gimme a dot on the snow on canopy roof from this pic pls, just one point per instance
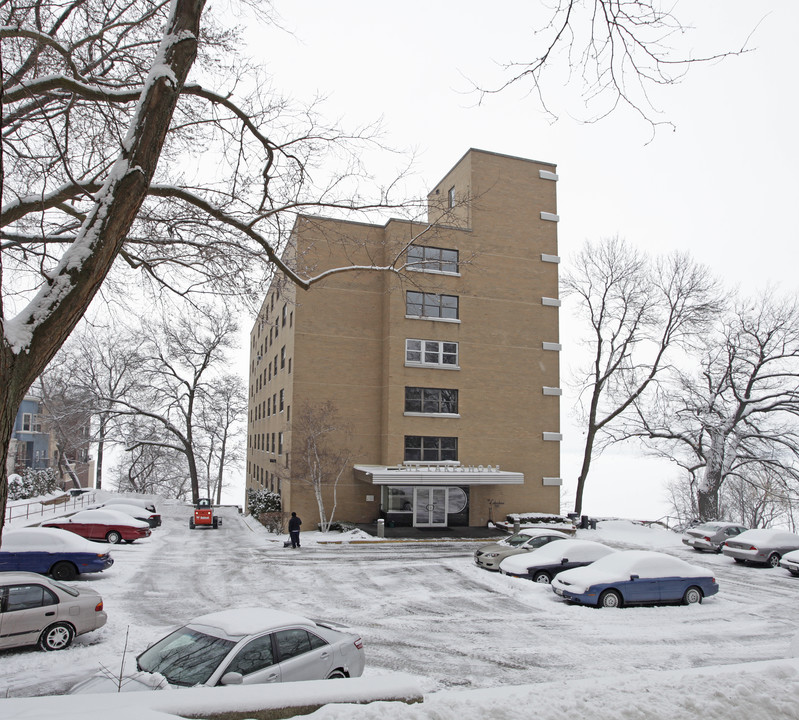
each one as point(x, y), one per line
point(45, 539)
point(620, 565)
point(554, 552)
point(106, 517)
point(766, 535)
point(249, 620)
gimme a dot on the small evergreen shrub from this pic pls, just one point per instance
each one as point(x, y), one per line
point(32, 483)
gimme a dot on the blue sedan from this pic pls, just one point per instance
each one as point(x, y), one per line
point(635, 577)
point(50, 551)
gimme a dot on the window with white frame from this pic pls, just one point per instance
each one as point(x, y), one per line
point(439, 401)
point(423, 448)
point(432, 259)
point(451, 197)
point(431, 352)
point(431, 305)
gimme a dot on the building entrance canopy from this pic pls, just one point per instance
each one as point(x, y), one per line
point(423, 474)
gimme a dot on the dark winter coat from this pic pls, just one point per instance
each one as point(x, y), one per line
point(294, 524)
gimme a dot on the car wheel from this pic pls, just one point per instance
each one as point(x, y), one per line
point(64, 571)
point(216, 523)
point(337, 675)
point(191, 523)
point(542, 577)
point(610, 599)
point(692, 595)
point(57, 637)
point(739, 561)
point(113, 537)
point(773, 560)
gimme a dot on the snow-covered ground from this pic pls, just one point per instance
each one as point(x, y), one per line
point(478, 644)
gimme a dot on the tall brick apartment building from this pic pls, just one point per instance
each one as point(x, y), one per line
point(447, 377)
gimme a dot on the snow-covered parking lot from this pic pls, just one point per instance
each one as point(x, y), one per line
point(425, 609)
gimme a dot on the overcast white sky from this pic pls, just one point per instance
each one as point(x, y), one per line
point(722, 185)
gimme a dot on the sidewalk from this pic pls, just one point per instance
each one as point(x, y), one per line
point(430, 534)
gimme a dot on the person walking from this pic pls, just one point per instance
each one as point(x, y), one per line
point(294, 530)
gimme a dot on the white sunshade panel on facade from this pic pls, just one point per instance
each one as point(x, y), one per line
point(421, 474)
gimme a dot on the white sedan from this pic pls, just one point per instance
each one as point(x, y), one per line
point(790, 561)
point(242, 647)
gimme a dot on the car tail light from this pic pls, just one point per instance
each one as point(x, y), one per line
point(99, 606)
point(706, 539)
point(752, 547)
point(358, 644)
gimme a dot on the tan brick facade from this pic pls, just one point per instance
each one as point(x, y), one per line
point(345, 341)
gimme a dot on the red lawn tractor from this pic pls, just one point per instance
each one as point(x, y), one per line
point(204, 515)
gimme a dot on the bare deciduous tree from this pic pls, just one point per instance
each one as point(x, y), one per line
point(619, 51)
point(112, 161)
point(637, 311)
point(736, 417)
point(222, 413)
point(181, 358)
point(319, 457)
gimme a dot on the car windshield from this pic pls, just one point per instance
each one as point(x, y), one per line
point(186, 657)
point(517, 540)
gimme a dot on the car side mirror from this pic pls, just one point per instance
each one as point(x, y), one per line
point(232, 678)
point(634, 577)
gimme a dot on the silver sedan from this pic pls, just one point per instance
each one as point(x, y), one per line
point(490, 556)
point(242, 647)
point(710, 537)
point(764, 547)
point(35, 610)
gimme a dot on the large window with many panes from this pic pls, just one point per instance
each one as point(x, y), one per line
point(431, 305)
point(424, 448)
point(431, 400)
point(432, 259)
point(431, 352)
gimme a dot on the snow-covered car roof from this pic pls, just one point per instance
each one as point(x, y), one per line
point(767, 536)
point(239, 622)
point(715, 525)
point(45, 539)
point(574, 550)
point(102, 516)
point(537, 532)
point(620, 565)
point(127, 508)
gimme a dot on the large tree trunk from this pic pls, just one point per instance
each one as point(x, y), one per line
point(59, 306)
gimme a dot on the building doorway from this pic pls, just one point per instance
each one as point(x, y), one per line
point(430, 506)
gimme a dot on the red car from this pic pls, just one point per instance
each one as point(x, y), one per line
point(101, 524)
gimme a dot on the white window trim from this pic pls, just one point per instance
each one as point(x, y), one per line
point(410, 268)
point(435, 415)
point(433, 319)
point(434, 366)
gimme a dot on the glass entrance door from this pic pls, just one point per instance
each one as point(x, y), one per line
point(430, 507)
